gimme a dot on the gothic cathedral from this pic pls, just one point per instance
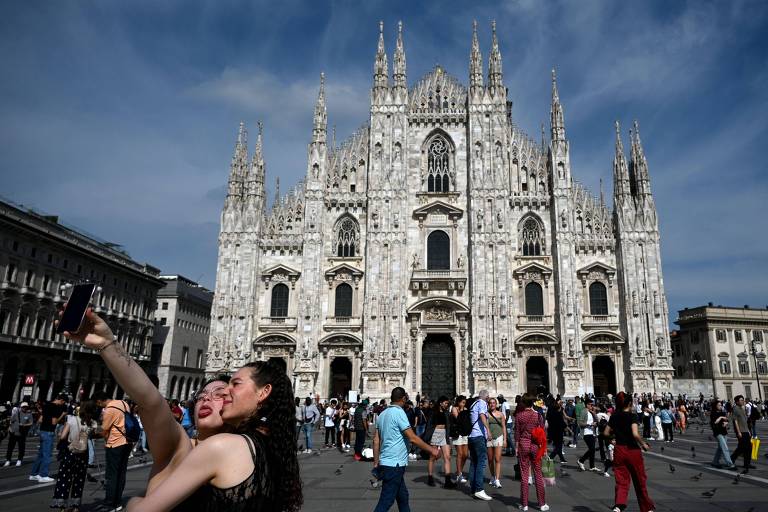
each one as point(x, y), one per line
point(442, 249)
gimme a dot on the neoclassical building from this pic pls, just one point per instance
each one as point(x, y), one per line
point(442, 249)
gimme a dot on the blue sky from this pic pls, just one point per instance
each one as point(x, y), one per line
point(121, 116)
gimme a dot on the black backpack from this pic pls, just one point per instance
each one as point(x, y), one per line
point(464, 418)
point(132, 430)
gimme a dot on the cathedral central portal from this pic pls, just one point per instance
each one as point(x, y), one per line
point(438, 366)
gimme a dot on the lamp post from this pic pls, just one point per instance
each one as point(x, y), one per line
point(755, 347)
point(696, 362)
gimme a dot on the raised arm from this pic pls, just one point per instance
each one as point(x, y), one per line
point(165, 436)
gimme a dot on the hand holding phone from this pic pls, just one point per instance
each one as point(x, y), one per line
point(74, 310)
point(78, 322)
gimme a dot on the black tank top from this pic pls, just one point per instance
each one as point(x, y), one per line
point(255, 493)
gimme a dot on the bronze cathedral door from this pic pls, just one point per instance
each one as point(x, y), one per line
point(438, 367)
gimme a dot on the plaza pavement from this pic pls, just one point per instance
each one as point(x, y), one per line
point(334, 481)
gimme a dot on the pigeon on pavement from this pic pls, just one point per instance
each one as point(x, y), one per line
point(697, 477)
point(709, 494)
point(672, 468)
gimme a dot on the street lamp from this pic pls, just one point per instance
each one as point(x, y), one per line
point(694, 362)
point(755, 348)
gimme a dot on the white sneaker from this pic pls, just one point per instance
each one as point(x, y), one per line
point(523, 508)
point(460, 479)
point(7, 463)
point(530, 480)
point(581, 465)
point(480, 495)
point(544, 508)
point(498, 484)
point(571, 445)
point(18, 463)
point(606, 475)
point(596, 470)
point(45, 479)
point(34, 477)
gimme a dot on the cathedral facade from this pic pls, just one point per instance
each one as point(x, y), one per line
point(442, 249)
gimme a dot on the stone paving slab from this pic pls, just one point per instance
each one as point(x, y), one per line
point(575, 491)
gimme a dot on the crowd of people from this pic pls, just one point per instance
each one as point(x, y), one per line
point(255, 429)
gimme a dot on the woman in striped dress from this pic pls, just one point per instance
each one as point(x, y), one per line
point(527, 452)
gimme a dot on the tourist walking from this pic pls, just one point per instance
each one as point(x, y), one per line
point(439, 439)
point(529, 453)
point(498, 442)
point(556, 424)
point(74, 465)
point(116, 447)
point(718, 422)
point(390, 452)
point(311, 416)
point(666, 414)
point(53, 413)
point(508, 409)
point(460, 423)
point(360, 424)
point(478, 439)
point(741, 429)
point(627, 458)
point(329, 423)
point(21, 423)
point(588, 426)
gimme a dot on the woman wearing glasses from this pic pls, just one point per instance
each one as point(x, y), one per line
point(230, 471)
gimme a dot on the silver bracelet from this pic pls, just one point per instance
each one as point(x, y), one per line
point(114, 340)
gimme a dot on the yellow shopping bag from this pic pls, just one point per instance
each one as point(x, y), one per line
point(755, 448)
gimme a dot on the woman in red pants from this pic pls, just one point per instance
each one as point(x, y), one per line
point(528, 452)
point(627, 457)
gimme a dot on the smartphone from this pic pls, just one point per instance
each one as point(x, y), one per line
point(74, 313)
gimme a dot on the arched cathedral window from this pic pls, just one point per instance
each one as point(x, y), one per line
point(438, 169)
point(343, 301)
point(531, 238)
point(534, 300)
point(347, 237)
point(598, 299)
point(279, 304)
point(438, 251)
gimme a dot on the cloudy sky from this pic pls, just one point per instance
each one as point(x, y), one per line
point(121, 116)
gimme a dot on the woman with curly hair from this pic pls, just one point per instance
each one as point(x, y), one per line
point(229, 471)
point(168, 442)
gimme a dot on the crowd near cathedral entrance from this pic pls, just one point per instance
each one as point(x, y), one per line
point(443, 249)
point(438, 366)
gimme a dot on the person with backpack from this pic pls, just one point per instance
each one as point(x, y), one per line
point(78, 429)
point(479, 436)
point(21, 424)
point(115, 414)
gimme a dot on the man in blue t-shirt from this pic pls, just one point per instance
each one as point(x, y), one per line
point(478, 454)
point(390, 452)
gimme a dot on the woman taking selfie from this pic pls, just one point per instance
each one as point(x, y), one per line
point(230, 472)
point(168, 442)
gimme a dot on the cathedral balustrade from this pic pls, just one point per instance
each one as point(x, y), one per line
point(9, 286)
point(535, 321)
point(342, 323)
point(600, 321)
point(278, 323)
point(455, 279)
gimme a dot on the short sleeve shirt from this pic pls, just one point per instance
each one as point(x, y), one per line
point(621, 426)
point(478, 408)
point(51, 411)
point(391, 424)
